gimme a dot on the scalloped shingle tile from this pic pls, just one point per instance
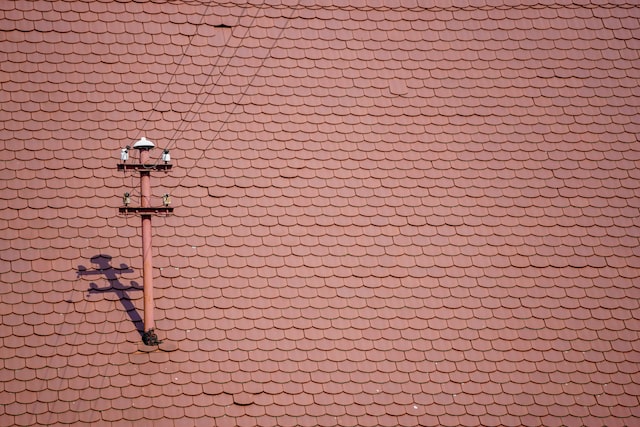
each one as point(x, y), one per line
point(384, 214)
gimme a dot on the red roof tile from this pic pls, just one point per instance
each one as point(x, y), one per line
point(384, 214)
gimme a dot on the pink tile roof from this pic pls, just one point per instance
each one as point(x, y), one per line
point(385, 214)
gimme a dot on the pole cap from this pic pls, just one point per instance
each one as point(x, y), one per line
point(143, 144)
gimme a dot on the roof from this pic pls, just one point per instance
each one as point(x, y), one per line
point(386, 213)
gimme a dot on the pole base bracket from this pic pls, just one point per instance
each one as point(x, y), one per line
point(150, 338)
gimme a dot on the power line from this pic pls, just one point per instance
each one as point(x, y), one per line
point(175, 72)
point(167, 86)
point(164, 92)
point(178, 130)
point(244, 92)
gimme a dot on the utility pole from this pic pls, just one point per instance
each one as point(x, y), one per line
point(146, 211)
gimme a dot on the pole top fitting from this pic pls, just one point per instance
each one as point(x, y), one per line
point(143, 144)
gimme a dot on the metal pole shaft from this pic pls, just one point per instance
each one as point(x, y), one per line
point(147, 273)
point(147, 264)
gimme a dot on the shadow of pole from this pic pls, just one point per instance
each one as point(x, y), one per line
point(104, 268)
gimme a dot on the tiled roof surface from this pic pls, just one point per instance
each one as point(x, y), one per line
point(386, 214)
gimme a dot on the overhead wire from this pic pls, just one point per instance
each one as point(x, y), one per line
point(175, 71)
point(243, 93)
point(185, 120)
point(134, 190)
